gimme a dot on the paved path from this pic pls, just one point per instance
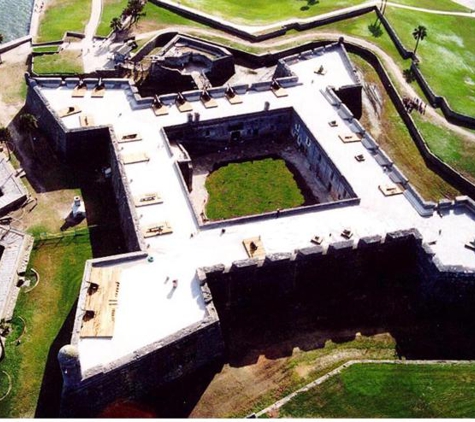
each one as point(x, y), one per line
point(88, 46)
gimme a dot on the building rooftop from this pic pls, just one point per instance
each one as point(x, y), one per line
point(149, 309)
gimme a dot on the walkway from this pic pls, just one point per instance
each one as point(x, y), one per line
point(88, 44)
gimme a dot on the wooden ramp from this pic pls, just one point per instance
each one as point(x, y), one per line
point(254, 247)
point(79, 91)
point(147, 199)
point(208, 101)
point(69, 111)
point(98, 92)
point(390, 189)
point(233, 98)
point(317, 240)
point(184, 107)
point(160, 109)
point(278, 90)
point(101, 302)
point(135, 157)
point(130, 137)
point(158, 229)
point(349, 137)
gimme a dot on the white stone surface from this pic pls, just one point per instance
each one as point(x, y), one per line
point(148, 311)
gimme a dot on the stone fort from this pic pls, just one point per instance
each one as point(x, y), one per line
point(170, 304)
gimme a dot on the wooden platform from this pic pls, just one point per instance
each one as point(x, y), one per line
point(390, 189)
point(130, 137)
point(184, 107)
point(160, 110)
point(158, 229)
point(350, 137)
point(254, 247)
point(280, 92)
point(86, 120)
point(147, 199)
point(101, 302)
point(346, 233)
point(209, 102)
point(135, 157)
point(69, 111)
point(317, 240)
point(79, 92)
point(98, 92)
point(233, 98)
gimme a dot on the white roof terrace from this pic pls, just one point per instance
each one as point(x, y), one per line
point(149, 309)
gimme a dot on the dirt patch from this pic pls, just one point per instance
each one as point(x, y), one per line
point(243, 390)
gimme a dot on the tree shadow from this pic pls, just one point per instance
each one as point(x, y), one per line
point(409, 75)
point(375, 29)
point(309, 4)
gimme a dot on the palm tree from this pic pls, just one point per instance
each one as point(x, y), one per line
point(28, 124)
point(134, 9)
point(419, 34)
point(6, 137)
point(116, 24)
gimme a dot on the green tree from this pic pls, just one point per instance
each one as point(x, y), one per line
point(116, 24)
point(134, 10)
point(6, 138)
point(27, 125)
point(419, 34)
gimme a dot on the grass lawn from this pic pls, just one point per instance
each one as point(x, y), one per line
point(390, 391)
point(446, 5)
point(446, 54)
point(394, 138)
point(252, 187)
point(454, 150)
point(13, 90)
point(61, 16)
point(46, 49)
point(110, 9)
point(60, 264)
point(258, 12)
point(68, 61)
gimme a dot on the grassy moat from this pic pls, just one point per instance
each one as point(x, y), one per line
point(251, 187)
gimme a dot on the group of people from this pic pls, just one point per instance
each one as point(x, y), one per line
point(414, 104)
point(39, 8)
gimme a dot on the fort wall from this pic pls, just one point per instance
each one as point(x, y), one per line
point(87, 393)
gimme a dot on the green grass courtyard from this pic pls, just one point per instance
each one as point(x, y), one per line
point(252, 187)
